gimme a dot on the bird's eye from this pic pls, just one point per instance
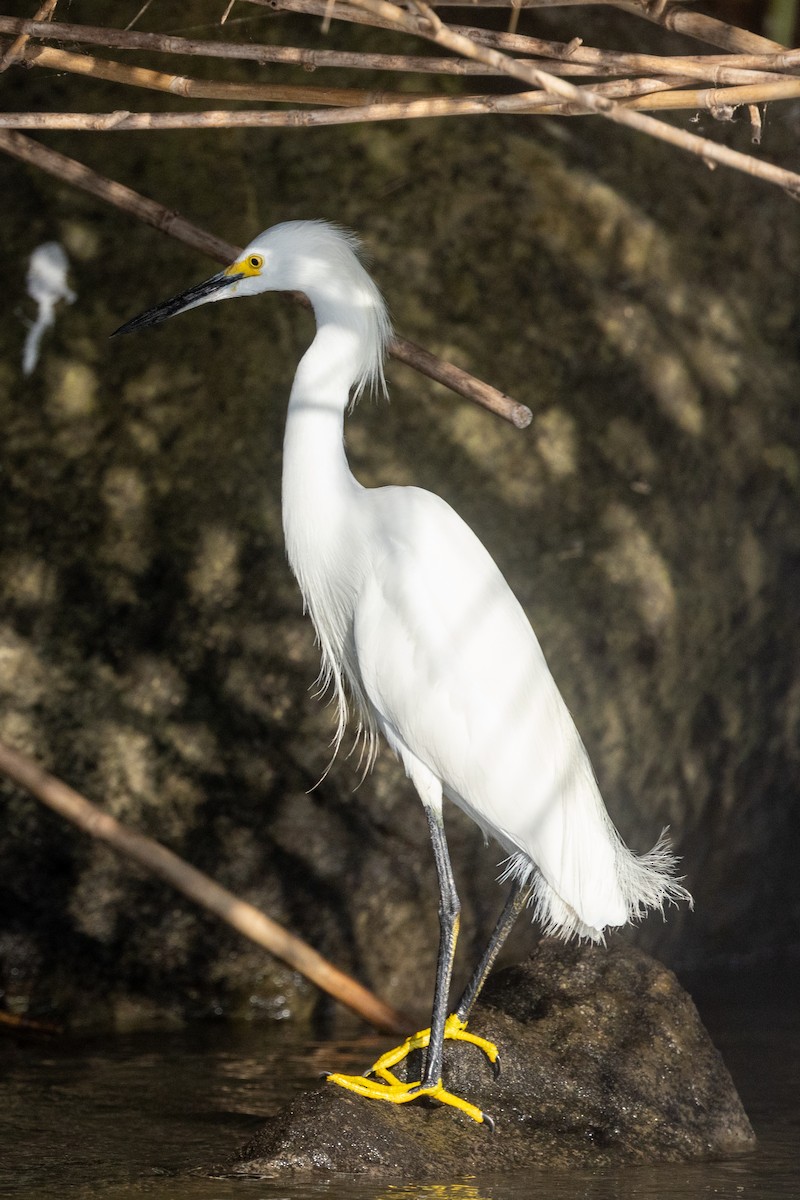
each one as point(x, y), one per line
point(255, 261)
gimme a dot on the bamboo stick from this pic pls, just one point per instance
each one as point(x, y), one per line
point(629, 95)
point(156, 43)
point(715, 99)
point(181, 85)
point(200, 888)
point(702, 28)
point(396, 110)
point(670, 15)
point(576, 58)
point(428, 25)
point(13, 52)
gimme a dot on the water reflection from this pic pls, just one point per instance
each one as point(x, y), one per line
point(433, 1191)
point(144, 1115)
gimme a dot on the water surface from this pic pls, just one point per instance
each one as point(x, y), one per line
point(127, 1116)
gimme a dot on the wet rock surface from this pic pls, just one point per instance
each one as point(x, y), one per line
point(604, 1060)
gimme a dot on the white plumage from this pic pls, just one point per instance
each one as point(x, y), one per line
point(418, 627)
point(413, 615)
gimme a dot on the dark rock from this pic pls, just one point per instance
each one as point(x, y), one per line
point(604, 1060)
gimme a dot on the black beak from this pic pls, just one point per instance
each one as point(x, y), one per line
point(196, 295)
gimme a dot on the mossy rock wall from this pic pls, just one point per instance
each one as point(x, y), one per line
point(153, 651)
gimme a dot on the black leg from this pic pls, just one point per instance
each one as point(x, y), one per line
point(449, 918)
point(517, 899)
point(380, 1082)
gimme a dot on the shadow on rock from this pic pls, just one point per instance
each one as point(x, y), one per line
point(604, 1061)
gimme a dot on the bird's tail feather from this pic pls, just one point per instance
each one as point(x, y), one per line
point(640, 883)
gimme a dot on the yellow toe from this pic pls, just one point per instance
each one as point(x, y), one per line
point(395, 1092)
point(454, 1030)
point(381, 1083)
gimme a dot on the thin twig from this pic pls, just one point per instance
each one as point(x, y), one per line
point(181, 85)
point(565, 56)
point(169, 222)
point(139, 14)
point(141, 207)
point(251, 52)
point(203, 890)
point(715, 99)
point(14, 51)
point(429, 26)
point(702, 28)
point(394, 110)
point(157, 43)
point(671, 15)
point(722, 68)
point(631, 94)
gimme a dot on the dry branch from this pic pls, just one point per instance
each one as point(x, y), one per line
point(295, 56)
point(762, 54)
point(79, 175)
point(516, 103)
point(428, 25)
point(720, 69)
point(181, 85)
point(716, 99)
point(673, 16)
point(564, 56)
point(702, 28)
point(626, 85)
point(579, 101)
point(203, 890)
point(13, 52)
point(169, 222)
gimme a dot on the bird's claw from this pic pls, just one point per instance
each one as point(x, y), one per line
point(455, 1029)
point(395, 1092)
point(381, 1083)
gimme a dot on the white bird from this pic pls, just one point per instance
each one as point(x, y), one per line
point(47, 284)
point(420, 632)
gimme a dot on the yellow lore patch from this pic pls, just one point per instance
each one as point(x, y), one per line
point(251, 264)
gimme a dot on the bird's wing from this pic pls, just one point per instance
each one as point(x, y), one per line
point(452, 666)
point(458, 681)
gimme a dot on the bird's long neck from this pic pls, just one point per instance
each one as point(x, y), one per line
point(319, 491)
point(321, 514)
point(317, 482)
point(322, 510)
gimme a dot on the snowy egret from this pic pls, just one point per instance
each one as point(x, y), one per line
point(47, 284)
point(419, 630)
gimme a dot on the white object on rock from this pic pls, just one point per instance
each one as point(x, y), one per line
point(47, 284)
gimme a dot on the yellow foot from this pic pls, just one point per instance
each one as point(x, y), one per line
point(455, 1029)
point(396, 1092)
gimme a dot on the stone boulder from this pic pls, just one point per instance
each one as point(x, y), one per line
point(604, 1060)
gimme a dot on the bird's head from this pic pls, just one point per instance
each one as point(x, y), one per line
point(313, 257)
point(249, 274)
point(303, 256)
